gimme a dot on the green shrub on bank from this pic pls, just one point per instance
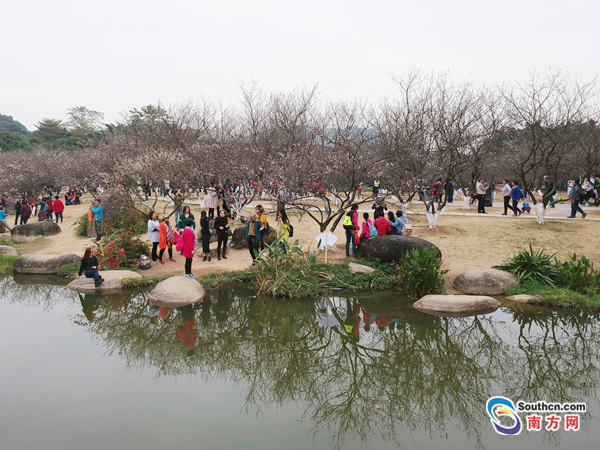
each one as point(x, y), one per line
point(7, 241)
point(135, 283)
point(532, 265)
point(558, 297)
point(132, 220)
point(82, 225)
point(6, 263)
point(420, 272)
point(219, 280)
point(68, 270)
point(578, 275)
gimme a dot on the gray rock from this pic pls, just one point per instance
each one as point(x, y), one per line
point(239, 236)
point(112, 281)
point(524, 298)
point(456, 305)
point(114, 202)
point(44, 264)
point(484, 282)
point(359, 268)
point(390, 249)
point(30, 231)
point(8, 251)
point(3, 228)
point(177, 291)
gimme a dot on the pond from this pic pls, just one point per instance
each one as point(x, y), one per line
point(355, 370)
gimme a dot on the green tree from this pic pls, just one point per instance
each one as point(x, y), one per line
point(83, 122)
point(12, 141)
point(49, 130)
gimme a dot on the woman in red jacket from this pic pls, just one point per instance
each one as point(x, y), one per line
point(383, 226)
point(59, 207)
point(186, 244)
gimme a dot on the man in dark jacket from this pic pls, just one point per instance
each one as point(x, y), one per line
point(549, 192)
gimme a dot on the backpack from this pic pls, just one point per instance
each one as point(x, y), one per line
point(348, 222)
point(372, 229)
point(145, 263)
point(291, 230)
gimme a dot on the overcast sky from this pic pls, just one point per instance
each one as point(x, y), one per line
point(113, 55)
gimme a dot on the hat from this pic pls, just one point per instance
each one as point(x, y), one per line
point(379, 196)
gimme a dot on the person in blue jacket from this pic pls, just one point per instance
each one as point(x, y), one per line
point(98, 216)
point(515, 194)
point(253, 236)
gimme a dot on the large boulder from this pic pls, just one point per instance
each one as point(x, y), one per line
point(239, 236)
point(391, 248)
point(484, 282)
point(177, 291)
point(44, 264)
point(3, 228)
point(30, 231)
point(114, 202)
point(8, 251)
point(456, 305)
point(112, 281)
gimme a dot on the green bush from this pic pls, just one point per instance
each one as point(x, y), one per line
point(6, 263)
point(578, 275)
point(420, 272)
point(68, 270)
point(532, 265)
point(132, 220)
point(82, 225)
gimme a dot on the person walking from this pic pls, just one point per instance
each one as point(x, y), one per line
point(506, 196)
point(41, 208)
point(575, 196)
point(351, 226)
point(205, 235)
point(165, 240)
point(481, 197)
point(98, 217)
point(3, 216)
point(284, 229)
point(549, 192)
point(89, 266)
point(253, 235)
point(59, 207)
point(515, 194)
point(222, 226)
point(186, 245)
point(154, 234)
point(262, 216)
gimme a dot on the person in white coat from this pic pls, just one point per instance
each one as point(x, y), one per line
point(211, 199)
point(153, 225)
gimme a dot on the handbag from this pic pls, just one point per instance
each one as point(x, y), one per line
point(229, 232)
point(357, 239)
point(353, 232)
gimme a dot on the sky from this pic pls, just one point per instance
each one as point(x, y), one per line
point(115, 55)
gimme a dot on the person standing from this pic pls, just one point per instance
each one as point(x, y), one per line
point(376, 184)
point(211, 199)
point(351, 226)
point(253, 235)
point(165, 241)
point(575, 196)
point(205, 235)
point(89, 266)
point(481, 197)
point(186, 245)
point(506, 196)
point(549, 192)
point(284, 229)
point(3, 216)
point(222, 225)
point(185, 215)
point(379, 206)
point(515, 194)
point(98, 216)
point(153, 234)
point(17, 211)
point(25, 212)
point(450, 191)
point(262, 216)
point(177, 206)
point(59, 207)
point(41, 208)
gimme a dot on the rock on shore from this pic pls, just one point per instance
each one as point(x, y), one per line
point(112, 281)
point(177, 291)
point(30, 231)
point(44, 264)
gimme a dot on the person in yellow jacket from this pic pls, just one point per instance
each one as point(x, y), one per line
point(284, 229)
point(262, 216)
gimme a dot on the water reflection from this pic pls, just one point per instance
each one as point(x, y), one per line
point(364, 367)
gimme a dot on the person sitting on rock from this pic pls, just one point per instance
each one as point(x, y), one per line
point(89, 266)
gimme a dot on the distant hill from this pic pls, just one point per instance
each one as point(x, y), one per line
point(12, 126)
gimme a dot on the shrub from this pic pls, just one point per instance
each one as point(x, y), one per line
point(120, 249)
point(578, 275)
point(6, 263)
point(132, 220)
point(420, 272)
point(82, 225)
point(68, 270)
point(532, 265)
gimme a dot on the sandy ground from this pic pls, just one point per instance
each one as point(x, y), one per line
point(467, 240)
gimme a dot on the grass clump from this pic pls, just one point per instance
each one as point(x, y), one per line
point(559, 297)
point(420, 272)
point(578, 275)
point(82, 225)
point(219, 280)
point(68, 270)
point(7, 241)
point(6, 263)
point(532, 265)
point(136, 283)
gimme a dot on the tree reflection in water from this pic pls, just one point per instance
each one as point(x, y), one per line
point(373, 373)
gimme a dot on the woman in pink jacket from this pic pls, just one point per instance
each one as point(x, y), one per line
point(186, 244)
